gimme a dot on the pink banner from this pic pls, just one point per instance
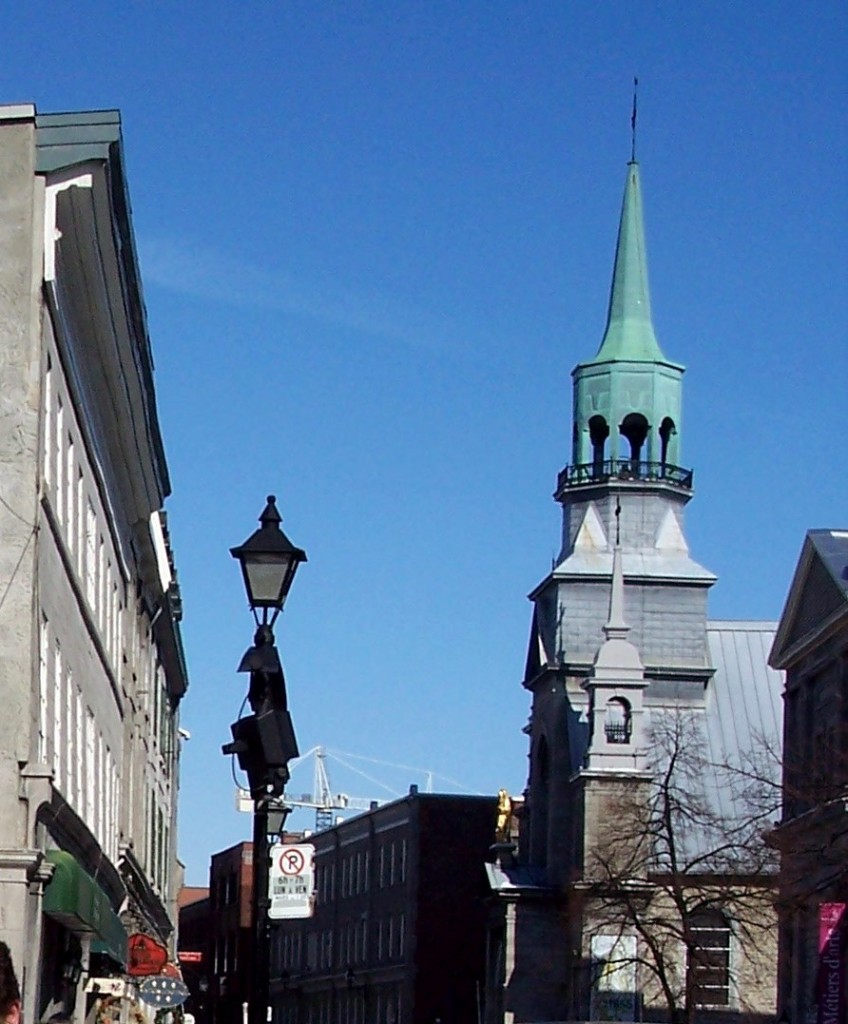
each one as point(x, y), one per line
point(831, 986)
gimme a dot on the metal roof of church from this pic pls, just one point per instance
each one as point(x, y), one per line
point(744, 704)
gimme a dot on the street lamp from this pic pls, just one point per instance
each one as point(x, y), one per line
point(269, 561)
point(264, 741)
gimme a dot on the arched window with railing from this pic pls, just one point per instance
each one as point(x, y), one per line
point(598, 434)
point(634, 430)
point(618, 721)
point(667, 432)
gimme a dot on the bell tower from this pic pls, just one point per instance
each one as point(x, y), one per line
point(623, 498)
point(627, 400)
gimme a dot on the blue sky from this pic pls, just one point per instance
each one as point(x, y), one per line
point(375, 239)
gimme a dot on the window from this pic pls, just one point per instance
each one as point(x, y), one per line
point(598, 434)
point(100, 585)
point(90, 769)
point(90, 555)
point(709, 959)
point(58, 701)
point(70, 532)
point(667, 432)
point(60, 462)
point(100, 809)
point(42, 690)
point(617, 721)
point(634, 430)
point(79, 506)
point(72, 750)
point(47, 451)
point(79, 745)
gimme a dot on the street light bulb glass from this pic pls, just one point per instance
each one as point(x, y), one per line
point(266, 576)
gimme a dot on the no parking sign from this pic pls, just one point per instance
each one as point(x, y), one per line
point(291, 881)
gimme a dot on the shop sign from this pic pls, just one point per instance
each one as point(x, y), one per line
point(831, 981)
point(146, 956)
point(117, 987)
point(162, 991)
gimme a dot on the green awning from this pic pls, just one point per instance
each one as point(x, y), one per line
point(75, 900)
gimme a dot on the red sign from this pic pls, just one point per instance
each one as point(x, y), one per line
point(146, 956)
point(292, 861)
point(190, 956)
point(831, 987)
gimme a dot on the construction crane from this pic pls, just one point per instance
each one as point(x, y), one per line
point(322, 797)
point(326, 803)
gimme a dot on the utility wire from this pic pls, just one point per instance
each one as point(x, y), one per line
point(17, 564)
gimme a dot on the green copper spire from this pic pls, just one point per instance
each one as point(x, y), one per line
point(630, 331)
point(627, 400)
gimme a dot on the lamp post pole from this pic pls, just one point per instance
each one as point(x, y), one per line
point(261, 946)
point(264, 741)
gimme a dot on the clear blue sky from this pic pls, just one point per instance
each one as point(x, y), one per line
point(375, 239)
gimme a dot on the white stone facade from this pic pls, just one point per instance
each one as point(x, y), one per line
point(91, 663)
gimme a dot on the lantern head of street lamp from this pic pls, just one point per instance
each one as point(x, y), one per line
point(268, 562)
point(277, 814)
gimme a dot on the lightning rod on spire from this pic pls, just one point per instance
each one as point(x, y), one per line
point(633, 123)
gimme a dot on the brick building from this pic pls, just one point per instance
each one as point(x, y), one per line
point(398, 932)
point(193, 954)
point(230, 939)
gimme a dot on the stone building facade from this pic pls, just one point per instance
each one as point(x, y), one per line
point(811, 646)
point(630, 683)
point(91, 662)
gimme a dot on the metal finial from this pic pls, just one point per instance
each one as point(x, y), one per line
point(633, 123)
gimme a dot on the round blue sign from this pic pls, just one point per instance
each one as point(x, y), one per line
point(161, 991)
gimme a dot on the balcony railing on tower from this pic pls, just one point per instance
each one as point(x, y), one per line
point(623, 469)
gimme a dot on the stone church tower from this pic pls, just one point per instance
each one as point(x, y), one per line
point(619, 637)
point(623, 499)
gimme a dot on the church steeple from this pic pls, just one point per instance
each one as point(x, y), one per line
point(627, 400)
point(629, 332)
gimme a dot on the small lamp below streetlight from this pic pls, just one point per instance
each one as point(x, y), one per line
point(277, 814)
point(268, 561)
